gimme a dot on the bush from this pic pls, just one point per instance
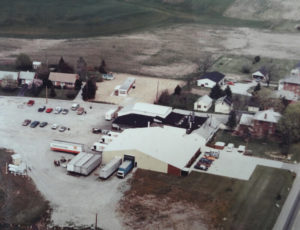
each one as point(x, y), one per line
point(245, 69)
point(71, 95)
point(256, 59)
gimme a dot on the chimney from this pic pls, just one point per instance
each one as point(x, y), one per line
point(266, 115)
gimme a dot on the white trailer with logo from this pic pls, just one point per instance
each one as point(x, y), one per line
point(66, 146)
point(110, 168)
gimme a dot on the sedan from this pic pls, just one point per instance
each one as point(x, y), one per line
point(62, 128)
point(30, 103)
point(43, 124)
point(57, 110)
point(34, 124)
point(65, 111)
point(54, 126)
point(41, 109)
point(96, 130)
point(49, 110)
point(26, 122)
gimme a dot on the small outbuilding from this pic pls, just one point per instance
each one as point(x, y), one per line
point(261, 75)
point(209, 80)
point(223, 105)
point(203, 103)
point(36, 64)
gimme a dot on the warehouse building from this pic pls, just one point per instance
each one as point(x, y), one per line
point(162, 149)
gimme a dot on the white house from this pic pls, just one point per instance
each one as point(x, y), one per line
point(36, 64)
point(209, 80)
point(26, 77)
point(223, 105)
point(261, 75)
point(203, 103)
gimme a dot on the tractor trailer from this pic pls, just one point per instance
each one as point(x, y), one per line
point(66, 146)
point(125, 168)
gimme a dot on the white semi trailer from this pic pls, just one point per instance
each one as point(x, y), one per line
point(66, 146)
point(110, 168)
point(84, 163)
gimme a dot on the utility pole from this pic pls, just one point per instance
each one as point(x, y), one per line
point(156, 100)
point(96, 221)
point(46, 94)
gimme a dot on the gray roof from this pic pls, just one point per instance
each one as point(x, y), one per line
point(208, 128)
point(14, 75)
point(27, 75)
point(225, 99)
point(205, 99)
point(291, 79)
point(246, 119)
point(267, 115)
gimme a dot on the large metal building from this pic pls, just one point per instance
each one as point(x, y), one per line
point(163, 149)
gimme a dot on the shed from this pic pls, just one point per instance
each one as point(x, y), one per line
point(36, 64)
point(261, 74)
point(203, 103)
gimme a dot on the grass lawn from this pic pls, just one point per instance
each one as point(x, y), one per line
point(259, 147)
point(75, 18)
point(234, 64)
point(245, 205)
point(20, 202)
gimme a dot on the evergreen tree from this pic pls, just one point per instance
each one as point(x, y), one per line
point(232, 119)
point(257, 87)
point(216, 92)
point(89, 90)
point(78, 84)
point(228, 92)
point(177, 90)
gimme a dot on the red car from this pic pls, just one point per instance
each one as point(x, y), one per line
point(49, 110)
point(30, 103)
point(230, 83)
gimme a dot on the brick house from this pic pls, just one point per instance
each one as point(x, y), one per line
point(261, 124)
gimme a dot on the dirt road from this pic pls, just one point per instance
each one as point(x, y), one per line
point(167, 52)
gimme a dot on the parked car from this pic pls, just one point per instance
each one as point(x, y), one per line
point(80, 111)
point(43, 124)
point(30, 103)
point(229, 147)
point(65, 111)
point(96, 130)
point(54, 126)
point(41, 109)
point(34, 124)
point(49, 110)
point(201, 167)
point(26, 122)
point(62, 128)
point(57, 110)
point(75, 106)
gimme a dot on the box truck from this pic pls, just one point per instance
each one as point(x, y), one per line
point(110, 168)
point(98, 147)
point(125, 168)
point(66, 146)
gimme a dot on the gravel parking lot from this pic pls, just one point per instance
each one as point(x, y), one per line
point(75, 200)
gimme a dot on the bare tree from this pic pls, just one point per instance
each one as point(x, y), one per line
point(205, 63)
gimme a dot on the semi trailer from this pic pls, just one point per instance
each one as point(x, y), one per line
point(110, 168)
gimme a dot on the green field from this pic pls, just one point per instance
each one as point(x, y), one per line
point(245, 205)
point(76, 18)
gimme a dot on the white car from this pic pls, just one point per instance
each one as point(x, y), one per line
point(230, 147)
point(57, 110)
point(54, 126)
point(62, 128)
point(75, 106)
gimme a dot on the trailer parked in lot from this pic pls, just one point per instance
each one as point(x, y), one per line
point(84, 163)
point(66, 146)
point(110, 168)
